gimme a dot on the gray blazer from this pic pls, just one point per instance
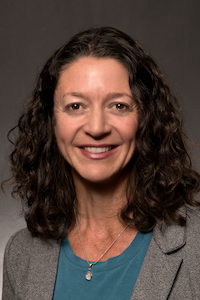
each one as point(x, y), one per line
point(170, 271)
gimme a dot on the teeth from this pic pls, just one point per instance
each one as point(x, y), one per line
point(97, 149)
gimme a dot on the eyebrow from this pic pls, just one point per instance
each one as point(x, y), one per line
point(108, 96)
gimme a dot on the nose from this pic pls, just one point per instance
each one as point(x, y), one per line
point(97, 124)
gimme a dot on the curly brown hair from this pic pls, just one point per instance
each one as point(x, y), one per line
point(162, 179)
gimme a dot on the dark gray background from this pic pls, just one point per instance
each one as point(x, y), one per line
point(30, 31)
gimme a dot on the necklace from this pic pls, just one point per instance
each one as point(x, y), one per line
point(88, 275)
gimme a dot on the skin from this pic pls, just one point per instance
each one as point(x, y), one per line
point(96, 122)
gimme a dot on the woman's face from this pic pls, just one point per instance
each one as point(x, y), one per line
point(96, 118)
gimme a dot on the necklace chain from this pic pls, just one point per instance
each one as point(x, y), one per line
point(88, 275)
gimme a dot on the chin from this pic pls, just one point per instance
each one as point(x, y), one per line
point(96, 178)
point(99, 178)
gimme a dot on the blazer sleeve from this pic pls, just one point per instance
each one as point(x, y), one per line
point(30, 267)
point(8, 292)
point(14, 256)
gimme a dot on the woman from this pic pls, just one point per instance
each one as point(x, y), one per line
point(102, 167)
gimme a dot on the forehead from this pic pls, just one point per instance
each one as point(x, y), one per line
point(90, 73)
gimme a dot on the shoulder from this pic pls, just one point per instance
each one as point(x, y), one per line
point(16, 261)
point(192, 229)
point(172, 262)
point(193, 216)
point(24, 257)
point(173, 237)
point(30, 265)
point(19, 238)
point(22, 246)
point(18, 244)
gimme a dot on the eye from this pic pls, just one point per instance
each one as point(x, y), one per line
point(74, 106)
point(120, 106)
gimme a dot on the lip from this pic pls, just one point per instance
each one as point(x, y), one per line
point(101, 155)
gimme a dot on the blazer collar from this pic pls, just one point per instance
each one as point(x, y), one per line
point(172, 237)
point(161, 264)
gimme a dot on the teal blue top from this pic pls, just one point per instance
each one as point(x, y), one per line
point(111, 279)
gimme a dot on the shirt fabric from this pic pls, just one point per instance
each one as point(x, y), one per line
point(111, 279)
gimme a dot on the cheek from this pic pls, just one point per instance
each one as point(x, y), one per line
point(129, 130)
point(66, 132)
point(61, 131)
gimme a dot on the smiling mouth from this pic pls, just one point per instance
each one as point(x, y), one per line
point(98, 149)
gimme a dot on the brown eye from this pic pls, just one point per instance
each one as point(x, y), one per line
point(74, 109)
point(75, 106)
point(120, 106)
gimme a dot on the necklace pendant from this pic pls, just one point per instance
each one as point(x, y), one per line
point(88, 275)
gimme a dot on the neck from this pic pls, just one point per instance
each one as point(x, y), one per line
point(98, 207)
point(100, 202)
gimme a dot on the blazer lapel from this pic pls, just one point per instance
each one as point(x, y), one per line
point(42, 272)
point(161, 264)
